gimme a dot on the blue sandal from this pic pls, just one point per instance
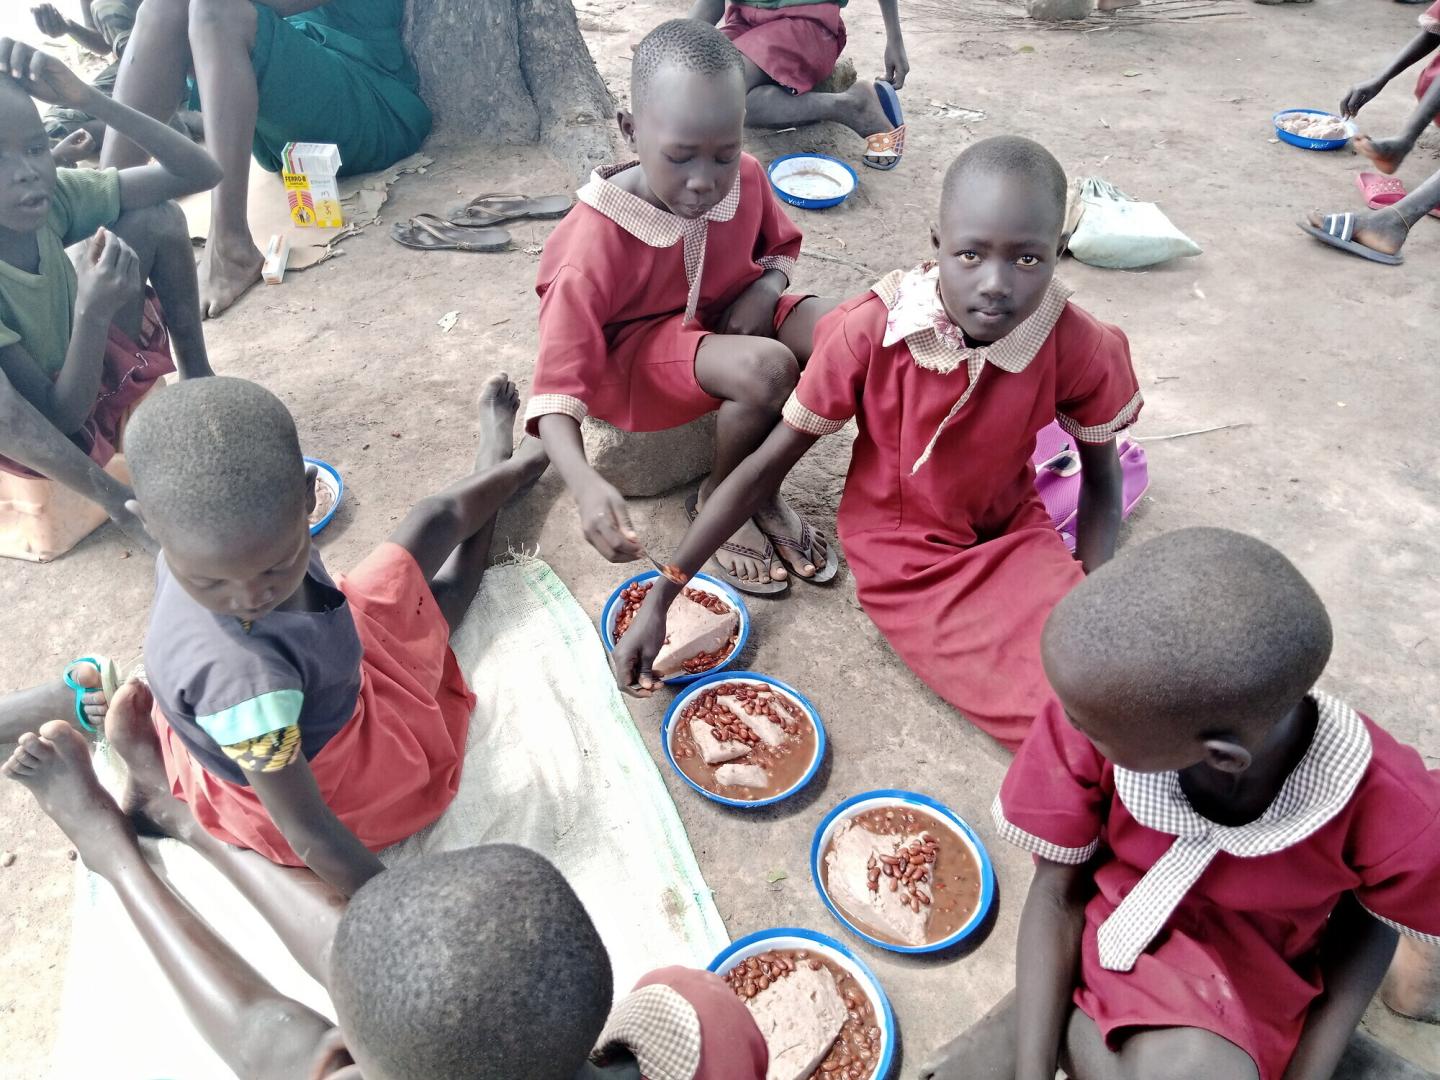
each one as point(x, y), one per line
point(109, 683)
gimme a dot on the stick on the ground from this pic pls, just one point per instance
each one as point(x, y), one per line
point(1187, 434)
point(839, 260)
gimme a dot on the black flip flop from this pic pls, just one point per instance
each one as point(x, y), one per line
point(498, 207)
point(426, 232)
point(769, 588)
point(1339, 233)
point(805, 548)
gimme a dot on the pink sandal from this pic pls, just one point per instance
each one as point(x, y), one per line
point(1382, 191)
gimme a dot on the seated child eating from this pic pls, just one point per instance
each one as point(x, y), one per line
point(1379, 235)
point(662, 299)
point(312, 721)
point(78, 351)
point(1223, 851)
point(791, 46)
point(950, 369)
point(434, 970)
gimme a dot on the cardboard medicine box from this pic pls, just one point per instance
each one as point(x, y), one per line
point(309, 170)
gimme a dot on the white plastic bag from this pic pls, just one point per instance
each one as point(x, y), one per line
point(1119, 233)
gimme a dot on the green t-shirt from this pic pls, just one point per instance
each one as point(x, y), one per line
point(38, 310)
point(771, 5)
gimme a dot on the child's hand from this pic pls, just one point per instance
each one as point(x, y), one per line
point(753, 312)
point(109, 274)
point(897, 63)
point(72, 149)
point(43, 76)
point(636, 651)
point(606, 522)
point(1360, 96)
point(49, 21)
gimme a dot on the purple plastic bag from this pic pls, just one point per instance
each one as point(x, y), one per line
point(1057, 476)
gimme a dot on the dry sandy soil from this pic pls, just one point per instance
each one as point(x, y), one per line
point(1324, 366)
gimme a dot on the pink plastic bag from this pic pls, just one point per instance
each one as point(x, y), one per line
point(1057, 476)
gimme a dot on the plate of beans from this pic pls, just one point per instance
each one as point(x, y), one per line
point(709, 593)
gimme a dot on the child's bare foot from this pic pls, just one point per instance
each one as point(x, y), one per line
point(1412, 988)
point(227, 269)
point(1382, 230)
point(778, 519)
point(498, 406)
point(26, 710)
point(55, 765)
point(749, 569)
point(864, 114)
point(146, 799)
point(1387, 154)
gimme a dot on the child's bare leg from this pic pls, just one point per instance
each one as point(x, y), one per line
point(771, 106)
point(301, 908)
point(753, 376)
point(1388, 228)
point(255, 1029)
point(152, 72)
point(26, 710)
point(161, 239)
point(1412, 988)
point(449, 534)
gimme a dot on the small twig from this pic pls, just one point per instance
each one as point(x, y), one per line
point(1187, 434)
point(825, 256)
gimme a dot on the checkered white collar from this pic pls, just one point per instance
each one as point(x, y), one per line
point(917, 317)
point(656, 227)
point(1316, 790)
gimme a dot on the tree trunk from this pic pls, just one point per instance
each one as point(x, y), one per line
point(513, 71)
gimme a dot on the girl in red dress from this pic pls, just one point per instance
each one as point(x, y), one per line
point(950, 369)
point(1223, 852)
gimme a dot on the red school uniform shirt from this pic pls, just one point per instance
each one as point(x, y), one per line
point(1201, 925)
point(617, 264)
point(685, 1024)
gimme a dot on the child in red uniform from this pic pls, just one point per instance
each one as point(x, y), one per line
point(950, 370)
point(790, 46)
point(1223, 852)
point(662, 298)
point(312, 721)
point(1383, 232)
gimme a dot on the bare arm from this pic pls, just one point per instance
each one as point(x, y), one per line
point(88, 38)
point(1046, 955)
point(731, 504)
point(603, 515)
point(295, 804)
point(710, 11)
point(1419, 47)
point(1097, 522)
point(1354, 953)
point(897, 61)
point(66, 402)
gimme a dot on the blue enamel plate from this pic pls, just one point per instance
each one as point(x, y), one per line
point(1307, 143)
point(327, 477)
point(760, 682)
point(812, 181)
point(705, 583)
point(821, 945)
point(888, 798)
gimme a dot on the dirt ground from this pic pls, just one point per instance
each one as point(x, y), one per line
point(1323, 366)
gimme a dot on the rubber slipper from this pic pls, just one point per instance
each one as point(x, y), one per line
point(883, 151)
point(498, 207)
point(1339, 232)
point(426, 232)
point(1382, 191)
point(754, 588)
point(109, 683)
point(805, 549)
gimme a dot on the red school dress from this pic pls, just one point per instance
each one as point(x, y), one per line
point(955, 557)
point(1216, 927)
point(683, 1024)
point(628, 292)
point(1430, 23)
point(795, 42)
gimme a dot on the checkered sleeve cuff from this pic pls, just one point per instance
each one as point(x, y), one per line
point(1102, 433)
point(544, 404)
point(784, 263)
point(806, 422)
point(1429, 23)
point(1429, 939)
point(1069, 856)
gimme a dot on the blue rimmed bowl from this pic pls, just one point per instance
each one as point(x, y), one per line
point(751, 678)
point(786, 937)
point(812, 181)
point(895, 798)
point(328, 477)
point(1310, 144)
point(705, 583)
